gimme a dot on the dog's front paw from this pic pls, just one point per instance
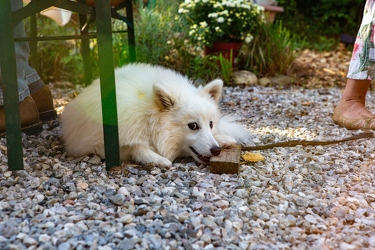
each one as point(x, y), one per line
point(156, 161)
point(225, 141)
point(145, 156)
point(161, 163)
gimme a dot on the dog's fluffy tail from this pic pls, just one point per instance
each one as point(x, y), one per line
point(228, 126)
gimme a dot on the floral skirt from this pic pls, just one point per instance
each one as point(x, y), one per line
point(362, 63)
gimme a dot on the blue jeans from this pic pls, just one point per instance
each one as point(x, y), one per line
point(25, 74)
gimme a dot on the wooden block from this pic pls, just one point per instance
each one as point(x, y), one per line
point(227, 162)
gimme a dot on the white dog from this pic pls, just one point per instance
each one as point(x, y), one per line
point(161, 116)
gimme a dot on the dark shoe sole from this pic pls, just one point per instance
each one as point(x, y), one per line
point(47, 116)
point(34, 129)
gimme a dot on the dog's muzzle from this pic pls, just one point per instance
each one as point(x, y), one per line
point(206, 159)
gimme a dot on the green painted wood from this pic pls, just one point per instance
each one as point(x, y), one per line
point(107, 83)
point(66, 37)
point(131, 36)
point(34, 62)
point(85, 51)
point(55, 38)
point(106, 67)
point(10, 88)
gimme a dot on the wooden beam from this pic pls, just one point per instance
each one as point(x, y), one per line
point(227, 162)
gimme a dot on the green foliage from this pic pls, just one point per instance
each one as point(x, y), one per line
point(61, 60)
point(315, 19)
point(340, 16)
point(202, 69)
point(58, 60)
point(210, 67)
point(271, 52)
point(154, 31)
point(324, 43)
point(217, 20)
point(161, 40)
point(226, 67)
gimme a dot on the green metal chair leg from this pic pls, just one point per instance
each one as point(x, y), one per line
point(107, 83)
point(10, 88)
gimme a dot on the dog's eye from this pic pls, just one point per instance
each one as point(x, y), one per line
point(193, 126)
point(211, 124)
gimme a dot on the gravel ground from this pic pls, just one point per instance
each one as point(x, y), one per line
point(314, 197)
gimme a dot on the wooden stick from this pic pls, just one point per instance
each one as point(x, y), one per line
point(228, 161)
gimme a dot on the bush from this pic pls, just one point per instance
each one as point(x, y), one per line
point(155, 30)
point(271, 52)
point(321, 20)
point(58, 60)
point(62, 61)
point(161, 39)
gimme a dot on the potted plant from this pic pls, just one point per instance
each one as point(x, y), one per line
point(213, 23)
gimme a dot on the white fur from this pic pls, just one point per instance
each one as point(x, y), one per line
point(155, 107)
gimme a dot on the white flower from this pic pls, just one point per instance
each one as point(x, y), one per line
point(220, 19)
point(203, 24)
point(248, 38)
point(213, 15)
point(224, 12)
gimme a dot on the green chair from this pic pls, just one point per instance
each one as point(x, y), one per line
point(103, 11)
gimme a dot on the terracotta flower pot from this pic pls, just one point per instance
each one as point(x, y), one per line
point(225, 48)
point(271, 11)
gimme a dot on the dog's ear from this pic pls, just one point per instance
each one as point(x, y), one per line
point(214, 89)
point(162, 98)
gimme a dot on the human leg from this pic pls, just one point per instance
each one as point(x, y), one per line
point(351, 111)
point(353, 99)
point(22, 53)
point(28, 82)
point(26, 74)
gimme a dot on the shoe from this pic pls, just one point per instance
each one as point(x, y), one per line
point(29, 114)
point(351, 123)
point(44, 102)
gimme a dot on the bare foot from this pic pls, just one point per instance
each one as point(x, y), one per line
point(352, 103)
point(353, 109)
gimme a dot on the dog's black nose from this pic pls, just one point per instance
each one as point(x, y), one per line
point(215, 151)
